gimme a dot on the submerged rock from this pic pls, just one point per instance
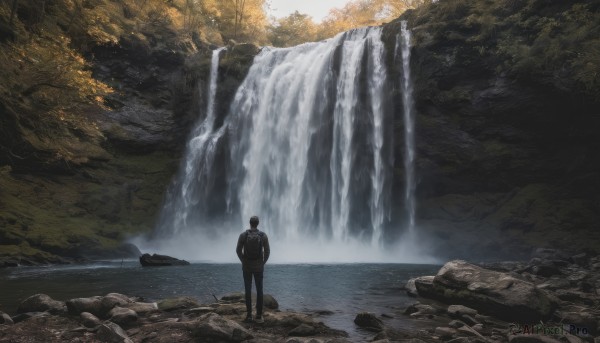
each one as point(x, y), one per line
point(368, 321)
point(156, 260)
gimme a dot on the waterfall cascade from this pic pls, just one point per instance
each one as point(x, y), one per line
point(403, 42)
point(307, 146)
point(194, 177)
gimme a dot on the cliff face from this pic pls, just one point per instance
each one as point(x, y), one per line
point(79, 186)
point(507, 101)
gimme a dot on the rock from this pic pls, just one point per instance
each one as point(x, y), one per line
point(369, 321)
point(173, 304)
point(579, 316)
point(425, 309)
point(212, 326)
point(577, 276)
point(531, 338)
point(455, 324)
point(459, 340)
point(286, 319)
point(411, 288)
point(236, 296)
point(546, 269)
point(229, 309)
point(469, 320)
point(24, 316)
point(199, 310)
point(580, 259)
point(477, 327)
point(92, 305)
point(112, 333)
point(444, 332)
point(89, 320)
point(270, 302)
point(142, 308)
point(458, 310)
point(303, 330)
point(114, 299)
point(496, 293)
point(41, 303)
point(155, 260)
point(549, 254)
point(246, 49)
point(576, 296)
point(122, 316)
point(423, 285)
point(554, 284)
point(5, 319)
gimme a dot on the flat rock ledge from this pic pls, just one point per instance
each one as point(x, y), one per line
point(119, 318)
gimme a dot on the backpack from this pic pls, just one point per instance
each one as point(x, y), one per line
point(253, 245)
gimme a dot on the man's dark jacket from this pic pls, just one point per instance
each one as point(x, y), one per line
point(257, 265)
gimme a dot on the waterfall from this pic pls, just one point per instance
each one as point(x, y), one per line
point(189, 194)
point(403, 41)
point(307, 145)
point(310, 123)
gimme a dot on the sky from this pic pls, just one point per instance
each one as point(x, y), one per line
point(317, 9)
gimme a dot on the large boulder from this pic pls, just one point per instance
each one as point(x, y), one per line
point(41, 303)
point(156, 260)
point(92, 305)
point(268, 300)
point(212, 326)
point(97, 305)
point(492, 292)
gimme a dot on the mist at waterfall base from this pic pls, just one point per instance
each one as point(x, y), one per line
point(307, 145)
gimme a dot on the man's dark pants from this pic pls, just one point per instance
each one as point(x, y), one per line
point(258, 281)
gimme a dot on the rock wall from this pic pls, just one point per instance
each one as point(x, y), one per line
point(506, 136)
point(56, 209)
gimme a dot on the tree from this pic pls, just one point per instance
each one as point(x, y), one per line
point(297, 28)
point(243, 20)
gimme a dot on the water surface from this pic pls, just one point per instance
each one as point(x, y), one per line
point(344, 289)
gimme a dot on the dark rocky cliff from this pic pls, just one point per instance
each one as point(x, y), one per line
point(82, 190)
point(508, 110)
point(507, 101)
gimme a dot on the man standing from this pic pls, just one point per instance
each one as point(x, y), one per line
point(253, 250)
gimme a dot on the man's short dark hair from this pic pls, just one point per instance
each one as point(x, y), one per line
point(254, 221)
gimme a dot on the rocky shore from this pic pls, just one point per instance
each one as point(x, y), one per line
point(550, 299)
point(119, 318)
